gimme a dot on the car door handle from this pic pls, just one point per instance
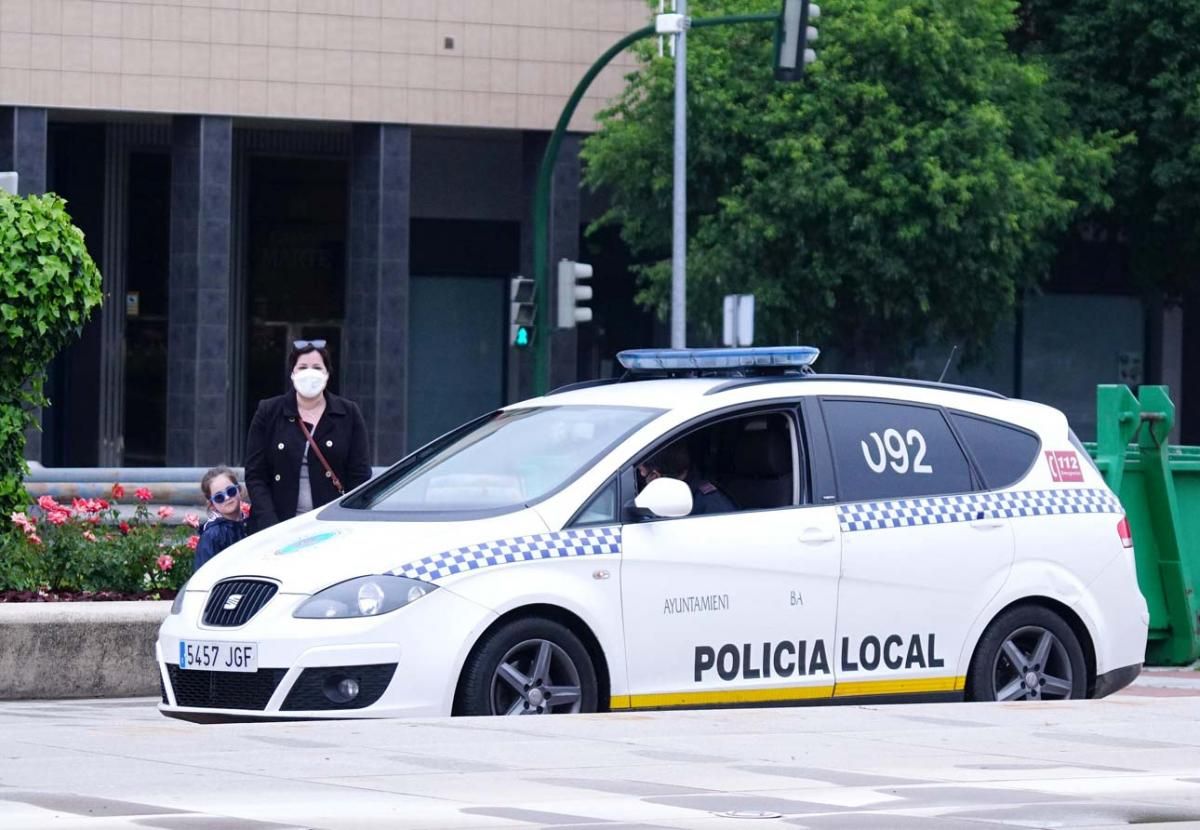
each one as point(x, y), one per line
point(987, 524)
point(815, 536)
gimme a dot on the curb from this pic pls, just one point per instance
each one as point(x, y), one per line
point(54, 650)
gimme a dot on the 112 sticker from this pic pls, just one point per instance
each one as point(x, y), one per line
point(1064, 465)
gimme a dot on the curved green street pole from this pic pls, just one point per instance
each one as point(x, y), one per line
point(541, 196)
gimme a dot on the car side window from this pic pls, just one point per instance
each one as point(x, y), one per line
point(1003, 453)
point(741, 462)
point(886, 450)
point(601, 509)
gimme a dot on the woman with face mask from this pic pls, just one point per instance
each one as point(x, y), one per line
point(307, 446)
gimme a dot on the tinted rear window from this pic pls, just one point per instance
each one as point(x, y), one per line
point(885, 450)
point(1002, 452)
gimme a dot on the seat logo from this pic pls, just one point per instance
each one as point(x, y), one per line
point(232, 602)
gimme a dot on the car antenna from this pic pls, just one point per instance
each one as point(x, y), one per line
point(949, 360)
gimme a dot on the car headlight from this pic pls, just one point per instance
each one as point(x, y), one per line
point(365, 596)
point(177, 605)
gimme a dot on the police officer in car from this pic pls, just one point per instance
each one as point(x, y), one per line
point(674, 461)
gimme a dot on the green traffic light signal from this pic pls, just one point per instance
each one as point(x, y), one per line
point(523, 311)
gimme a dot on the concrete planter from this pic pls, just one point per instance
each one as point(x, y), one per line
point(79, 649)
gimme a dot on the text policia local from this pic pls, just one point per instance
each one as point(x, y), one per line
point(788, 658)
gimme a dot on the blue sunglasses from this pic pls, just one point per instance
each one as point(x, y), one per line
point(221, 496)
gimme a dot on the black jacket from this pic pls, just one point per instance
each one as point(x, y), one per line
point(218, 534)
point(275, 448)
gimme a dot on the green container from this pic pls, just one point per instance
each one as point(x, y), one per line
point(1159, 487)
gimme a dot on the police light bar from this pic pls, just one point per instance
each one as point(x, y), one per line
point(774, 357)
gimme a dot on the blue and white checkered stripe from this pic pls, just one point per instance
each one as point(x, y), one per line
point(591, 541)
point(971, 507)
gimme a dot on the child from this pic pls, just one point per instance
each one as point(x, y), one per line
point(225, 524)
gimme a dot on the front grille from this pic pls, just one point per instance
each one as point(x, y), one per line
point(224, 690)
point(252, 595)
point(308, 693)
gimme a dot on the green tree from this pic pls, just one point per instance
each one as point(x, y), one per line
point(48, 288)
point(906, 192)
point(1132, 67)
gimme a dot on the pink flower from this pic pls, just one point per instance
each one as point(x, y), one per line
point(101, 504)
point(192, 541)
point(166, 511)
point(191, 519)
point(48, 503)
point(24, 522)
point(165, 562)
point(58, 517)
point(34, 538)
point(245, 508)
point(124, 527)
point(143, 494)
point(91, 537)
point(118, 492)
point(79, 505)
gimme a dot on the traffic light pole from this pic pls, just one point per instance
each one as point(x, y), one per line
point(679, 190)
point(541, 195)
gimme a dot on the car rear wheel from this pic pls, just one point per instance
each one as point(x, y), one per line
point(529, 667)
point(1028, 653)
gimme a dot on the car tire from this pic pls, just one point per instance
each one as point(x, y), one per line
point(528, 666)
point(1028, 653)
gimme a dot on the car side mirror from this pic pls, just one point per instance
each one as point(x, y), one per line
point(664, 498)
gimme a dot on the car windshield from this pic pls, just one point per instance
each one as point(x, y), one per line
point(507, 459)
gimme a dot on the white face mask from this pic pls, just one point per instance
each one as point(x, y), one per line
point(309, 382)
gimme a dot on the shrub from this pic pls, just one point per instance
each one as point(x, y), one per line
point(49, 286)
point(21, 568)
point(88, 546)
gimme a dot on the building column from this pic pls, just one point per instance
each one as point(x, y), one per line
point(111, 416)
point(23, 144)
point(564, 244)
point(1165, 337)
point(1188, 415)
point(23, 149)
point(563, 236)
point(198, 318)
point(375, 360)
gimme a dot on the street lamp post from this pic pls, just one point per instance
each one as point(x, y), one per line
point(679, 200)
point(541, 196)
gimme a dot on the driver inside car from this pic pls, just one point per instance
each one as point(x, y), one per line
point(674, 461)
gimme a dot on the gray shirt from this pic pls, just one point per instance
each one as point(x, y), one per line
point(304, 502)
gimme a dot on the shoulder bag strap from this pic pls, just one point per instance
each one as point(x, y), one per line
point(328, 470)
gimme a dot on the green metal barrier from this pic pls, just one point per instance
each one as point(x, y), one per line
point(1159, 487)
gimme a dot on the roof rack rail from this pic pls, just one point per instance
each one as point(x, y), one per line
point(924, 384)
point(587, 384)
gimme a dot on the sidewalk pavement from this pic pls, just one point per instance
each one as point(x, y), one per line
point(1132, 759)
point(1165, 683)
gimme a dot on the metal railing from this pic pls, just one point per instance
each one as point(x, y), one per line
point(175, 486)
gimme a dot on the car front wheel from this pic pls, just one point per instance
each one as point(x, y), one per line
point(1028, 653)
point(529, 667)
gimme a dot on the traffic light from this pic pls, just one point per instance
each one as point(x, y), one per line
point(523, 311)
point(793, 43)
point(571, 293)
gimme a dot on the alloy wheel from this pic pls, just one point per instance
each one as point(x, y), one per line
point(1032, 664)
point(536, 677)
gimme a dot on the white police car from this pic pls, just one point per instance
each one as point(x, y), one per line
point(730, 529)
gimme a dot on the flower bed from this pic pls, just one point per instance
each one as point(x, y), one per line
point(85, 551)
point(46, 595)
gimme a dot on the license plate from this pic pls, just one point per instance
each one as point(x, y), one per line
point(213, 656)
